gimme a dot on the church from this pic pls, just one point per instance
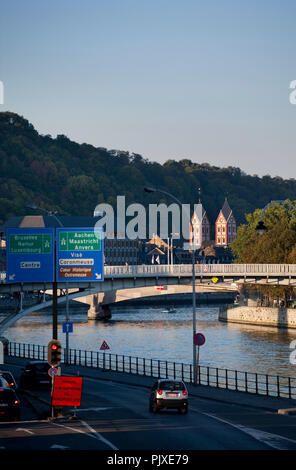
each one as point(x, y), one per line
point(225, 226)
point(225, 229)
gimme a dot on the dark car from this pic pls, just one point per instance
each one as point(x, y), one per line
point(168, 393)
point(35, 375)
point(9, 378)
point(10, 408)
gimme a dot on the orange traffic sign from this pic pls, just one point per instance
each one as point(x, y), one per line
point(66, 391)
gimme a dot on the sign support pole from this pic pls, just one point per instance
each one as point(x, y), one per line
point(197, 364)
point(67, 319)
point(54, 310)
point(55, 296)
point(52, 408)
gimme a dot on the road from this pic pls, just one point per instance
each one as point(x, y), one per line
point(115, 417)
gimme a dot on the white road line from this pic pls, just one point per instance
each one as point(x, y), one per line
point(93, 433)
point(99, 436)
point(57, 446)
point(272, 440)
point(25, 430)
point(93, 409)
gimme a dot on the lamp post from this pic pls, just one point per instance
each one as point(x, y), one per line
point(261, 227)
point(150, 189)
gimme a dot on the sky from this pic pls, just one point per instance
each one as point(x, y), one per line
point(168, 79)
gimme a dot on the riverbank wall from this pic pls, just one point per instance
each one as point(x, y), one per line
point(264, 316)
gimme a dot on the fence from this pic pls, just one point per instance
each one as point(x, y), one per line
point(251, 382)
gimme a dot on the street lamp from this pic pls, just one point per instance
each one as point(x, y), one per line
point(260, 227)
point(50, 213)
point(149, 189)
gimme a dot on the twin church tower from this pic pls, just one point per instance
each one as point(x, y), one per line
point(225, 226)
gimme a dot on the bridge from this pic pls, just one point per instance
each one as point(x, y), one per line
point(119, 278)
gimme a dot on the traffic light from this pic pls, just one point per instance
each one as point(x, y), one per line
point(54, 353)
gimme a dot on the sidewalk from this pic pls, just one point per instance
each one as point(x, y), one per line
point(41, 399)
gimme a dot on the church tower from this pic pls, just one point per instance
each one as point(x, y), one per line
point(226, 226)
point(200, 225)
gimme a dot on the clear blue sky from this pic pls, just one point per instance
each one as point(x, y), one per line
point(204, 80)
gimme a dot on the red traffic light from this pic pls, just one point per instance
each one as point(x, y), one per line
point(54, 353)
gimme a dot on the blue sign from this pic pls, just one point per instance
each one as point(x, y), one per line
point(67, 327)
point(30, 255)
point(199, 339)
point(80, 254)
point(52, 371)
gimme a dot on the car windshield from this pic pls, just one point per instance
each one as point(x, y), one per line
point(7, 376)
point(170, 385)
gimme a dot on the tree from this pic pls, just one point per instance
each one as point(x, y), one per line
point(277, 245)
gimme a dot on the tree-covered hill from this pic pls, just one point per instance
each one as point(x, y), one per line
point(59, 174)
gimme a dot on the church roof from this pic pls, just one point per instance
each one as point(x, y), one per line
point(200, 213)
point(226, 210)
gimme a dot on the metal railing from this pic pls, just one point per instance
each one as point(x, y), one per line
point(251, 382)
point(283, 270)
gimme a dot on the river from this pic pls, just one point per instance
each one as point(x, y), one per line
point(147, 331)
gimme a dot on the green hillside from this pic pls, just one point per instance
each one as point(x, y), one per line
point(73, 178)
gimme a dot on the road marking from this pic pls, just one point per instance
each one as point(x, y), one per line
point(93, 433)
point(272, 440)
point(57, 446)
point(25, 430)
point(99, 436)
point(94, 409)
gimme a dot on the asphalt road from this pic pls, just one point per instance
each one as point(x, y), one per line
point(115, 417)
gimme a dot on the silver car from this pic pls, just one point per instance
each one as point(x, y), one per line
point(168, 393)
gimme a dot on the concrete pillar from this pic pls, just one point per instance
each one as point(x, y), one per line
point(98, 310)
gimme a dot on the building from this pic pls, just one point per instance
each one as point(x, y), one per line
point(225, 227)
point(200, 228)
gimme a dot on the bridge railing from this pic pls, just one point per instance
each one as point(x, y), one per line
point(207, 269)
point(200, 269)
point(250, 382)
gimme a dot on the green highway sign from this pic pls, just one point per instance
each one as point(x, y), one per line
point(30, 254)
point(80, 254)
point(30, 243)
point(79, 241)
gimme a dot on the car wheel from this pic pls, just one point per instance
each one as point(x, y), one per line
point(183, 410)
point(155, 408)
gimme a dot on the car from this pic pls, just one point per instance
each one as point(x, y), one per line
point(35, 376)
point(5, 374)
point(3, 383)
point(168, 393)
point(10, 405)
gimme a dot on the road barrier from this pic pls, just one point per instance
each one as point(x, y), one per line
point(251, 382)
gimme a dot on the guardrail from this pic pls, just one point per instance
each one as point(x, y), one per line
point(282, 270)
point(206, 269)
point(251, 382)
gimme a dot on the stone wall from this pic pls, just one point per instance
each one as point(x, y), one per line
point(265, 316)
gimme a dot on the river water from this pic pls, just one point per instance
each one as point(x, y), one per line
point(149, 332)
